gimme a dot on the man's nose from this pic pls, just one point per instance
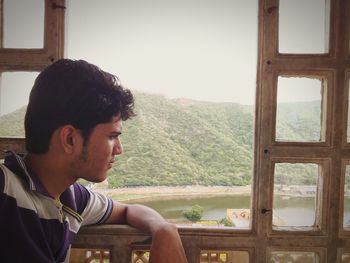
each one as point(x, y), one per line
point(118, 148)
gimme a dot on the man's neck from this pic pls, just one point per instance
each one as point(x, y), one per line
point(51, 173)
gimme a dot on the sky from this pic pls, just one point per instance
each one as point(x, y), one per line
point(197, 49)
point(182, 48)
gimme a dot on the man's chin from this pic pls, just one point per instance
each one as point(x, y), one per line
point(98, 179)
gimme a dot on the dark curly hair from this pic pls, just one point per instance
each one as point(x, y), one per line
point(73, 92)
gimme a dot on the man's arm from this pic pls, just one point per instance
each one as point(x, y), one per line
point(166, 243)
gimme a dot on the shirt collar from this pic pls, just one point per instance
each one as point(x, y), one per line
point(15, 162)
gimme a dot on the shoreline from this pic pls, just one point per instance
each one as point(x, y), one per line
point(168, 192)
point(148, 193)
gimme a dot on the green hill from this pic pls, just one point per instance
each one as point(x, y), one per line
point(175, 143)
point(186, 142)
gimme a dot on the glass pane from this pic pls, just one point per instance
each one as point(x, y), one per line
point(299, 109)
point(346, 219)
point(179, 59)
point(298, 31)
point(294, 195)
point(24, 23)
point(224, 256)
point(294, 257)
point(87, 255)
point(14, 94)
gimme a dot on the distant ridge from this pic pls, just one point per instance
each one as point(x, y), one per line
point(189, 142)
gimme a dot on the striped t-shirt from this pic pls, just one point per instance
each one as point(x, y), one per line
point(34, 227)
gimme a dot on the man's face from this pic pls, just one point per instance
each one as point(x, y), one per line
point(98, 155)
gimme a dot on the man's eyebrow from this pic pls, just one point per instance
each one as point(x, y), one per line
point(116, 132)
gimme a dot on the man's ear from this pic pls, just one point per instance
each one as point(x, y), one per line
point(69, 138)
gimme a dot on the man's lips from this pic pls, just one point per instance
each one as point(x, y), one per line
point(110, 164)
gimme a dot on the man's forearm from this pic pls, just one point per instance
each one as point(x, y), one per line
point(144, 218)
point(166, 242)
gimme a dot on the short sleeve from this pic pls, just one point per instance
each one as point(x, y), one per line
point(82, 196)
point(97, 210)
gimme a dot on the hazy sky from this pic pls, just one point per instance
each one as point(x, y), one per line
point(199, 49)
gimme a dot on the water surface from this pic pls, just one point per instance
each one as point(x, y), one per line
point(294, 211)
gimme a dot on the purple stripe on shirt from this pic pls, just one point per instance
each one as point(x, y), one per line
point(67, 198)
point(82, 196)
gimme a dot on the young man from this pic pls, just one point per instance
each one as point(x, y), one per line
point(73, 125)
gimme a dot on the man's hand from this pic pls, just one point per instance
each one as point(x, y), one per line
point(166, 243)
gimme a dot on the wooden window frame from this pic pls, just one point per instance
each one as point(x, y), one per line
point(331, 65)
point(33, 59)
point(330, 241)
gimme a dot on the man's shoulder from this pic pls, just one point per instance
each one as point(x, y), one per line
point(7, 177)
point(76, 197)
point(15, 192)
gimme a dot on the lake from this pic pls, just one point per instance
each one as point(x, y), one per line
point(293, 211)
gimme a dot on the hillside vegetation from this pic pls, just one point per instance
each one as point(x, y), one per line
point(186, 142)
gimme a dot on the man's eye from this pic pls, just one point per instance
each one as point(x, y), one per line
point(113, 137)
